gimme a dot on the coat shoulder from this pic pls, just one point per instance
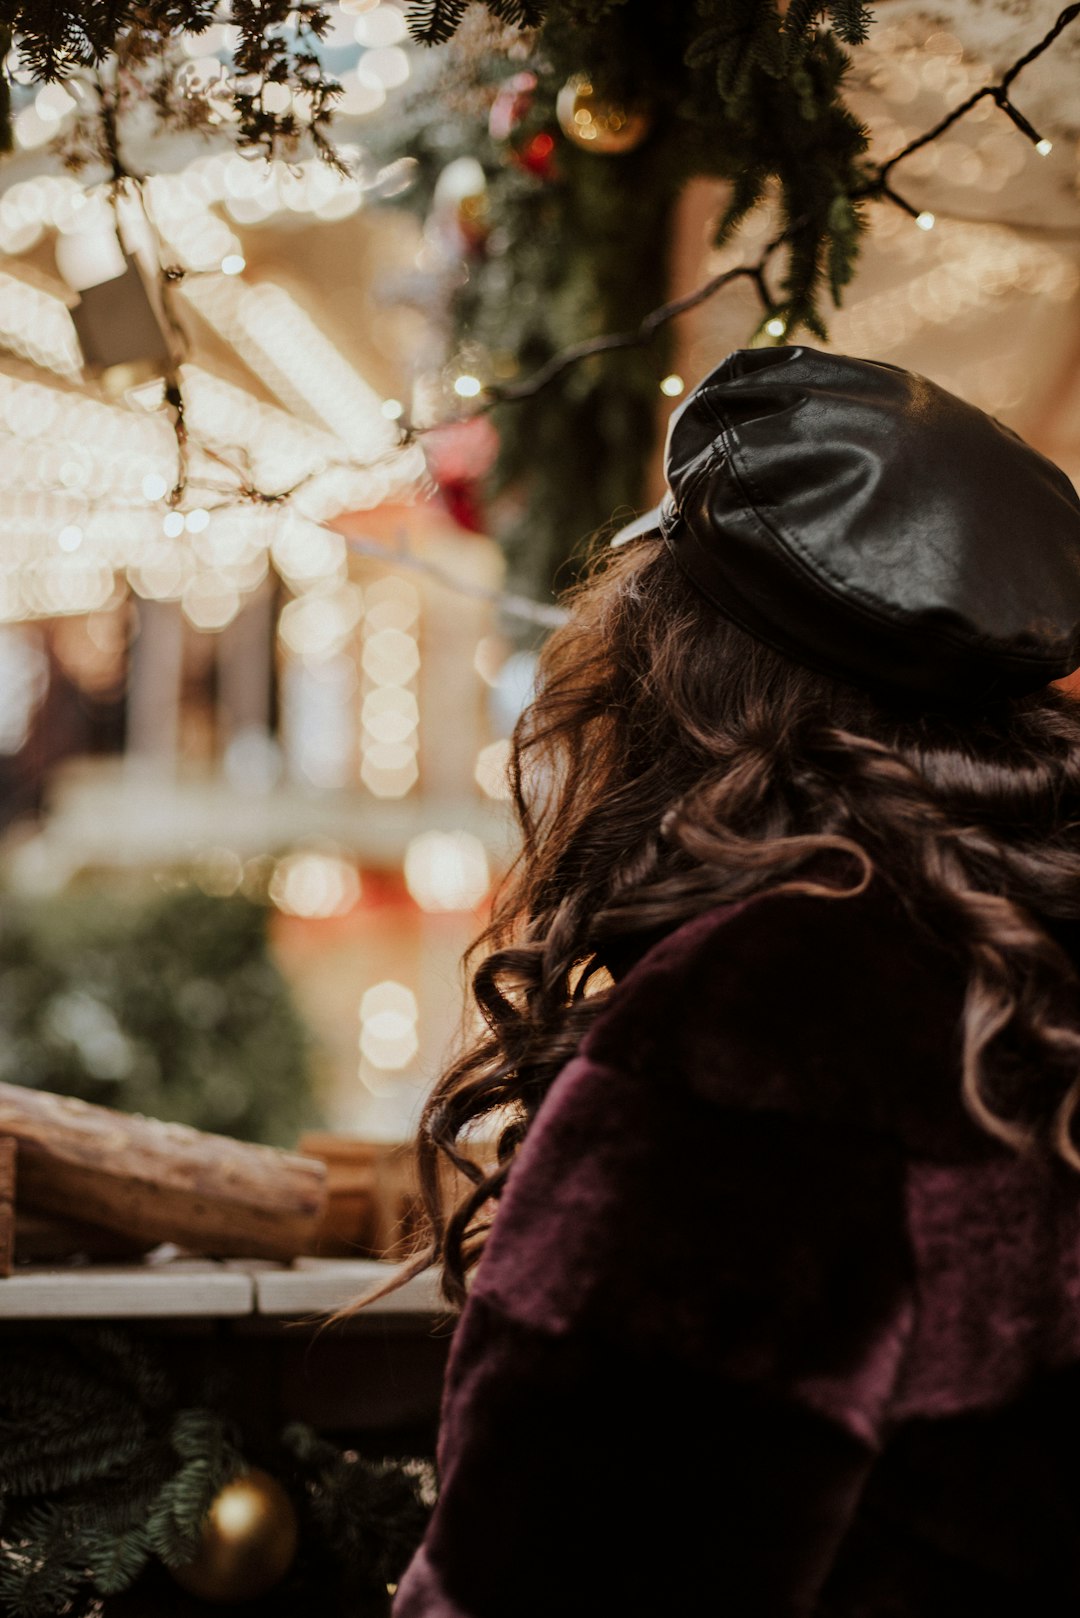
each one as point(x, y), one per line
point(835, 1007)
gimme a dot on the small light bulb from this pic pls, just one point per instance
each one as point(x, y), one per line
point(153, 486)
point(70, 537)
point(925, 220)
point(173, 524)
point(233, 264)
point(393, 409)
point(775, 327)
point(467, 386)
point(672, 385)
point(1044, 147)
point(197, 520)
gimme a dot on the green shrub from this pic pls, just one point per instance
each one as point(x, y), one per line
point(172, 1007)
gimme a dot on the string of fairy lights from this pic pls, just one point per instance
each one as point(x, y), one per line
point(255, 484)
point(878, 186)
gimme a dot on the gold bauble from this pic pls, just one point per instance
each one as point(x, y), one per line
point(596, 125)
point(248, 1541)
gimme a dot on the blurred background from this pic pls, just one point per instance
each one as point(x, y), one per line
point(261, 647)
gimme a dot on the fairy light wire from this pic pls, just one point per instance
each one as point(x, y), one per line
point(488, 396)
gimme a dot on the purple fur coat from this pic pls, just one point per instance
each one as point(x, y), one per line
point(766, 1326)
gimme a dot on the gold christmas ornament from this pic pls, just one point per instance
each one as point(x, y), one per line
point(596, 125)
point(248, 1541)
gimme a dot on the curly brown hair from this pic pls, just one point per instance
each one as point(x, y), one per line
point(670, 763)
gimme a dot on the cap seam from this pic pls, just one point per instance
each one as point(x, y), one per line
point(795, 555)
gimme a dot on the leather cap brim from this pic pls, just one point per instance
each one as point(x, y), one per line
point(657, 521)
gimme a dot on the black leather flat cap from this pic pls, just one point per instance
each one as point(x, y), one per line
point(866, 522)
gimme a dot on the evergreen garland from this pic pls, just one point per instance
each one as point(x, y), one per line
point(104, 1470)
point(564, 260)
point(98, 1470)
point(734, 90)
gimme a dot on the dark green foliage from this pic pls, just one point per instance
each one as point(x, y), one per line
point(575, 254)
point(433, 22)
point(277, 43)
point(125, 1473)
point(577, 265)
point(172, 1007)
point(851, 19)
point(737, 49)
point(37, 1576)
point(733, 90)
point(739, 92)
point(366, 1516)
point(98, 1469)
point(207, 1453)
point(749, 188)
point(59, 35)
point(115, 1561)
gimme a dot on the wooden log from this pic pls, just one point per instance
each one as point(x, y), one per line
point(7, 1204)
point(159, 1182)
point(42, 1238)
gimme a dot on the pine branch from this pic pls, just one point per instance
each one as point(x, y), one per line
point(114, 1561)
point(846, 224)
point(433, 22)
point(210, 1458)
point(120, 1359)
point(40, 1568)
point(70, 1410)
point(518, 13)
point(58, 36)
point(91, 1476)
point(800, 20)
point(747, 190)
point(370, 1515)
point(851, 20)
point(35, 1588)
point(52, 38)
point(770, 46)
point(733, 64)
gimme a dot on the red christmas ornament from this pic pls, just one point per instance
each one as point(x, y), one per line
point(459, 457)
point(513, 102)
point(464, 505)
point(538, 155)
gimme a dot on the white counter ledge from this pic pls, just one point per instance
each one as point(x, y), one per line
point(186, 1288)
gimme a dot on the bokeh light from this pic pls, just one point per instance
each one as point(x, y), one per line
point(447, 870)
